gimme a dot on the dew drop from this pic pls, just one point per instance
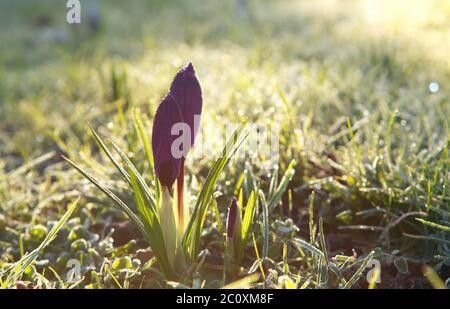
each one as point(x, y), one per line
point(433, 87)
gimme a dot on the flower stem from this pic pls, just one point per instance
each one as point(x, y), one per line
point(180, 192)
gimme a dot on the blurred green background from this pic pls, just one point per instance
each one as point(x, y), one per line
point(360, 88)
point(332, 58)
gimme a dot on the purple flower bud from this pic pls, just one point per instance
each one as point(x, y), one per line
point(233, 219)
point(186, 91)
point(182, 104)
point(167, 167)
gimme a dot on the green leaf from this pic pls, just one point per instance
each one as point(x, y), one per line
point(311, 248)
point(109, 155)
point(153, 229)
point(273, 183)
point(435, 225)
point(140, 180)
point(323, 243)
point(333, 267)
point(266, 234)
point(122, 263)
point(109, 194)
point(247, 223)
point(192, 235)
point(433, 278)
point(312, 231)
point(140, 128)
point(401, 264)
point(275, 198)
point(243, 283)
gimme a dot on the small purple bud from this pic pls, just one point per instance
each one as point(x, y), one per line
point(167, 167)
point(233, 218)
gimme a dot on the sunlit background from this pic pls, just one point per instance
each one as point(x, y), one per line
point(47, 61)
point(360, 90)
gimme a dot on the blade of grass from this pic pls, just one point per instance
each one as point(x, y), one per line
point(140, 180)
point(27, 166)
point(243, 283)
point(278, 194)
point(312, 231)
point(139, 124)
point(433, 277)
point(20, 266)
point(323, 243)
point(265, 223)
point(433, 224)
point(113, 277)
point(109, 155)
point(255, 246)
point(109, 194)
point(359, 272)
point(307, 246)
point(273, 183)
point(247, 223)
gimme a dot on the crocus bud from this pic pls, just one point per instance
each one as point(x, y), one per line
point(186, 92)
point(181, 105)
point(167, 167)
point(179, 112)
point(234, 225)
point(234, 220)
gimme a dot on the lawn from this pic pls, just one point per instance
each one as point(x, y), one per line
point(357, 197)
